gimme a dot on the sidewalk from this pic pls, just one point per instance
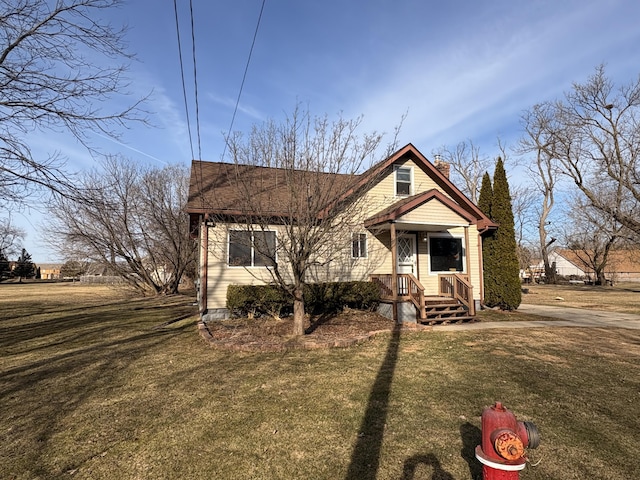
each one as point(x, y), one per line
point(564, 317)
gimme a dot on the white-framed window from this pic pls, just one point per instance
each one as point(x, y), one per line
point(403, 180)
point(446, 254)
point(358, 245)
point(252, 249)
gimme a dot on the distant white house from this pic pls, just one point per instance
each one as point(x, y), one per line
point(622, 266)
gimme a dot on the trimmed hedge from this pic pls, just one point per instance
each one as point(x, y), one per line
point(257, 300)
point(335, 296)
point(319, 298)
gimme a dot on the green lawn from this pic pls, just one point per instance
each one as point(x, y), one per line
point(96, 385)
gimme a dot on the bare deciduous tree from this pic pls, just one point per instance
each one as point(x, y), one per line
point(133, 224)
point(540, 128)
point(523, 205)
point(9, 236)
point(317, 161)
point(59, 63)
point(595, 135)
point(591, 236)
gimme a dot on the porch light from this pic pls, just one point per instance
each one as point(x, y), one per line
point(425, 236)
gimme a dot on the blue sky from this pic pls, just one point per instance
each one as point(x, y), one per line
point(460, 69)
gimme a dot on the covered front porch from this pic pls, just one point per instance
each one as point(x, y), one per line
point(433, 261)
point(452, 303)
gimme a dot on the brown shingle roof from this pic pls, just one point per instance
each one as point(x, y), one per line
point(215, 187)
point(224, 188)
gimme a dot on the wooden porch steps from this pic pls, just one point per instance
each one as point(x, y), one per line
point(442, 310)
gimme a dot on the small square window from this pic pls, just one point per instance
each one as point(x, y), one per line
point(403, 181)
point(359, 245)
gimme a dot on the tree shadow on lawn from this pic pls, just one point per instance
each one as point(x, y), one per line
point(365, 458)
point(88, 323)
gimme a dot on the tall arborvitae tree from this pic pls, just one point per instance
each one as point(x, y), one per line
point(489, 259)
point(486, 195)
point(504, 288)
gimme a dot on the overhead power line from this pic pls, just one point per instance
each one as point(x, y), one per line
point(244, 77)
point(195, 79)
point(184, 88)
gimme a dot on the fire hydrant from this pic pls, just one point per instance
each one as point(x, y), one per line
point(503, 442)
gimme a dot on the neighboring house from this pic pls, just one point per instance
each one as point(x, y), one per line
point(419, 237)
point(49, 271)
point(622, 265)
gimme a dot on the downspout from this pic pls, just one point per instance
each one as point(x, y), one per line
point(481, 269)
point(466, 249)
point(204, 260)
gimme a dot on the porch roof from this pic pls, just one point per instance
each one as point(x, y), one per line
point(394, 212)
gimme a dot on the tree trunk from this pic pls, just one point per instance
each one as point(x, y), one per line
point(549, 271)
point(298, 312)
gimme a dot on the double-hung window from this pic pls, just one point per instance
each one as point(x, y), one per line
point(403, 181)
point(359, 245)
point(252, 249)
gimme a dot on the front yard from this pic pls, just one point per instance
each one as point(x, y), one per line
point(97, 385)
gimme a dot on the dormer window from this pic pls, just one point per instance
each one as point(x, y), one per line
point(403, 181)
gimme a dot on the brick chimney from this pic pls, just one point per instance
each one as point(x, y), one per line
point(442, 166)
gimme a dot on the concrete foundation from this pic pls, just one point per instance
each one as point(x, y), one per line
point(406, 312)
point(214, 314)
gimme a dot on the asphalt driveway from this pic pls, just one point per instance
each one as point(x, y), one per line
point(557, 317)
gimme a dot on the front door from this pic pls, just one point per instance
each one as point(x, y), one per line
point(406, 261)
point(407, 254)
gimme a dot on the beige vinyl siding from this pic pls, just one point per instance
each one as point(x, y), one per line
point(221, 275)
point(433, 212)
point(383, 194)
point(343, 267)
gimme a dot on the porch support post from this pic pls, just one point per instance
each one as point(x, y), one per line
point(394, 270)
point(472, 306)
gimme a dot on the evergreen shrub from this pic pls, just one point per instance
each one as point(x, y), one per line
point(319, 298)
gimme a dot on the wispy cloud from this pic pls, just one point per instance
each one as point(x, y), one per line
point(129, 147)
point(472, 85)
point(230, 103)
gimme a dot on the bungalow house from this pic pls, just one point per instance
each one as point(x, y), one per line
point(413, 233)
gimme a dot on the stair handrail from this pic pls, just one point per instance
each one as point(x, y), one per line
point(458, 287)
point(416, 294)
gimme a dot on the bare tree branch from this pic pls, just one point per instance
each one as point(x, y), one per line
point(594, 133)
point(59, 64)
point(134, 224)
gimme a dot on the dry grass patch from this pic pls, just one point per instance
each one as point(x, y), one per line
point(108, 389)
point(623, 297)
